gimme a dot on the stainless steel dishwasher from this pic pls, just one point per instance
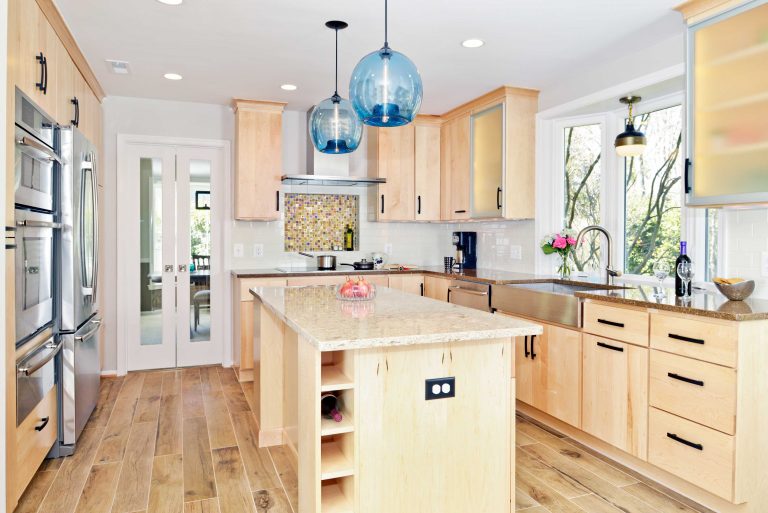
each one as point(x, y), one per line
point(471, 294)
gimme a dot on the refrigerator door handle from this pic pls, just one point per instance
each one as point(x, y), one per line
point(96, 236)
point(90, 333)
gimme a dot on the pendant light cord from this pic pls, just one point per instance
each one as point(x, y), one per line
point(386, 16)
point(336, 87)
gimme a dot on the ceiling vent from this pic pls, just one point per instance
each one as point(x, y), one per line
point(118, 67)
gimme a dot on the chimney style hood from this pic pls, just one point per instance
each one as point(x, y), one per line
point(332, 169)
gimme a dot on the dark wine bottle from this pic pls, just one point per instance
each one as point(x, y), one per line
point(679, 288)
point(329, 407)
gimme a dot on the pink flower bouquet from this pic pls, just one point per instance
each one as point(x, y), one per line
point(563, 244)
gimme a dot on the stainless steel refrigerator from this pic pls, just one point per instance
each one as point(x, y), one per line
point(79, 319)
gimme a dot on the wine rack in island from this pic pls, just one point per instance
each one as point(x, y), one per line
point(327, 448)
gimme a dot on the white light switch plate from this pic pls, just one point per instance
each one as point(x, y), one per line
point(258, 250)
point(238, 250)
point(388, 248)
point(516, 252)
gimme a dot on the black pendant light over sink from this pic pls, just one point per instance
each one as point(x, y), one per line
point(631, 142)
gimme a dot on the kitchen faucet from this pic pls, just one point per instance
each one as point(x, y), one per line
point(610, 273)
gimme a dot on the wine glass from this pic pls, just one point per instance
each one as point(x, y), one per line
point(661, 271)
point(685, 271)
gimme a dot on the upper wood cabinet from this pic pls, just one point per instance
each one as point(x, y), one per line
point(409, 158)
point(33, 53)
point(258, 159)
point(727, 143)
point(488, 157)
point(66, 91)
point(455, 169)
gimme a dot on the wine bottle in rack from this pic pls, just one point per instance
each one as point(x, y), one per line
point(329, 407)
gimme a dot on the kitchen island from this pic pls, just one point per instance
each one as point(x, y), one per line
point(427, 395)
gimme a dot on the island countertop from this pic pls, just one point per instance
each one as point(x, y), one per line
point(393, 318)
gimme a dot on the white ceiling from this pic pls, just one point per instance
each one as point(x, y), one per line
point(248, 48)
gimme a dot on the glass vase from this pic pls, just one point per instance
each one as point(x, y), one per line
point(564, 271)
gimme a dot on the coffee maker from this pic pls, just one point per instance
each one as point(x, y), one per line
point(466, 250)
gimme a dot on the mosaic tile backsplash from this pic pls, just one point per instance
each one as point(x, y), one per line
point(316, 222)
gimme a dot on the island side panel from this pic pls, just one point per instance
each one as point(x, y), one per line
point(309, 361)
point(290, 389)
point(268, 371)
point(449, 455)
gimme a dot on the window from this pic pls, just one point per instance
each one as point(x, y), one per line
point(653, 193)
point(582, 153)
point(713, 243)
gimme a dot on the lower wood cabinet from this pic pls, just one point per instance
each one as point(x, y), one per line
point(410, 283)
point(34, 438)
point(615, 393)
point(548, 374)
point(436, 288)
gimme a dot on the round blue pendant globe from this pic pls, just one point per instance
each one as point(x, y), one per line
point(385, 89)
point(334, 127)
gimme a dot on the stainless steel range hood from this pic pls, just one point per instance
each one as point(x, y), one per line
point(349, 169)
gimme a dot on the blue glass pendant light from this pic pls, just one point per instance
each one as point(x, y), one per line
point(385, 87)
point(333, 124)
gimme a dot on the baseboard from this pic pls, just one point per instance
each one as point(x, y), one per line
point(271, 437)
point(109, 374)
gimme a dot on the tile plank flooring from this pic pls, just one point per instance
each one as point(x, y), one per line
point(184, 441)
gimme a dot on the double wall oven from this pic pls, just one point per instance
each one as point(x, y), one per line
point(55, 241)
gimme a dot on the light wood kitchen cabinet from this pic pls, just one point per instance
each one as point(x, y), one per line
point(427, 168)
point(34, 61)
point(395, 151)
point(34, 438)
point(66, 87)
point(727, 70)
point(258, 159)
point(454, 169)
point(410, 283)
point(436, 288)
point(627, 324)
point(615, 393)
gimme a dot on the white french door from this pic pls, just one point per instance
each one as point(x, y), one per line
point(169, 255)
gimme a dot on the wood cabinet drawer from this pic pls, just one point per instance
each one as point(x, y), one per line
point(702, 340)
point(698, 391)
point(623, 324)
point(34, 438)
point(696, 453)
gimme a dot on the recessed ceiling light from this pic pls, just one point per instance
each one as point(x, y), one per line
point(288, 87)
point(173, 76)
point(170, 2)
point(472, 43)
point(118, 67)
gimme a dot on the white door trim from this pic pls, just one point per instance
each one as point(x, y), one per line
point(223, 240)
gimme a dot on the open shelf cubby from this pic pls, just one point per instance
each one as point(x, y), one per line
point(334, 501)
point(332, 379)
point(333, 462)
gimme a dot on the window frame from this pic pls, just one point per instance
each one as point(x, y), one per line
point(613, 196)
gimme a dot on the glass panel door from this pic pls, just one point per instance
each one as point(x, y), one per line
point(487, 162)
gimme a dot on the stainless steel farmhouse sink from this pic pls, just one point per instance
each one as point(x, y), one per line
point(551, 300)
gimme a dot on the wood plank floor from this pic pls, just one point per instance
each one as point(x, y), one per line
point(183, 441)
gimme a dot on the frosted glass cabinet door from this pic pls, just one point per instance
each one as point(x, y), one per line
point(728, 107)
point(487, 129)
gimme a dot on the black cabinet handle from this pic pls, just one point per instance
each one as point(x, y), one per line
point(612, 348)
point(42, 426)
point(418, 204)
point(611, 323)
point(686, 175)
point(459, 211)
point(527, 353)
point(277, 201)
point(533, 354)
point(421, 288)
point(76, 103)
point(498, 198)
point(686, 339)
point(685, 442)
point(45, 68)
point(382, 203)
point(678, 377)
point(41, 59)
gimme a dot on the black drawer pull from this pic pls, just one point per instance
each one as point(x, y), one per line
point(277, 201)
point(382, 203)
point(527, 353)
point(459, 211)
point(686, 339)
point(418, 201)
point(533, 354)
point(611, 323)
point(687, 380)
point(612, 348)
point(421, 289)
point(498, 198)
point(685, 442)
point(42, 426)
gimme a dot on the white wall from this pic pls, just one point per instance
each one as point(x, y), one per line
point(746, 245)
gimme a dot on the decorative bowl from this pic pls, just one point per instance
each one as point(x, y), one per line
point(356, 292)
point(737, 291)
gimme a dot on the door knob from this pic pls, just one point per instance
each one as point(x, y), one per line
point(169, 268)
point(182, 268)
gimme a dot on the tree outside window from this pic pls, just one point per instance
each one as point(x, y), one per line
point(653, 193)
point(583, 147)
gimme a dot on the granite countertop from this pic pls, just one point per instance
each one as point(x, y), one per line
point(393, 318)
point(702, 303)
